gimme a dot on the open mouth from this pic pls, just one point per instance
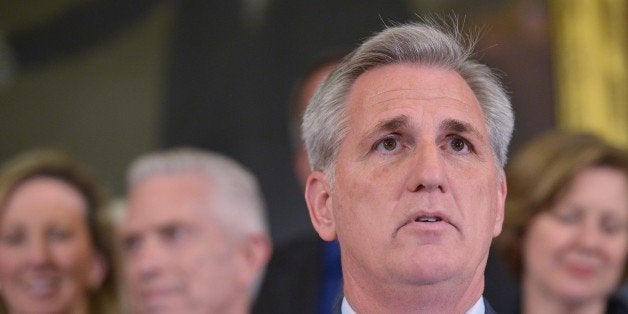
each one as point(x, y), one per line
point(428, 219)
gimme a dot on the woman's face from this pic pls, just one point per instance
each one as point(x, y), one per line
point(47, 260)
point(576, 250)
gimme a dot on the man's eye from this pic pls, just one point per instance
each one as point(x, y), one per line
point(173, 233)
point(458, 144)
point(387, 145)
point(131, 244)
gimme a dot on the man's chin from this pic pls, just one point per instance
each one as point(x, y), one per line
point(426, 272)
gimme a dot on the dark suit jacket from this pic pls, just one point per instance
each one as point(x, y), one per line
point(488, 309)
point(292, 280)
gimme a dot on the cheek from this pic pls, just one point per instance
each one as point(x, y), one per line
point(213, 276)
point(618, 252)
point(470, 195)
point(9, 264)
point(212, 254)
point(541, 243)
point(74, 258)
point(358, 206)
point(371, 186)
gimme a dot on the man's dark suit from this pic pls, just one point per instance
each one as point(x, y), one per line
point(293, 279)
point(488, 309)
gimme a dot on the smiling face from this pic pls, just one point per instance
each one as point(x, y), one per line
point(178, 258)
point(47, 260)
point(417, 196)
point(576, 250)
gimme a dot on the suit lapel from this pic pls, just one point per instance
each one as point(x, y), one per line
point(488, 309)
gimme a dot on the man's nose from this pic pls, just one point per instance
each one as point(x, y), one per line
point(149, 259)
point(427, 168)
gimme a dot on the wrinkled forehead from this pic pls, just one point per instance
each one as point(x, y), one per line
point(399, 87)
point(412, 76)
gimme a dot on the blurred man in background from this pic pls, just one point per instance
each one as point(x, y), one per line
point(194, 239)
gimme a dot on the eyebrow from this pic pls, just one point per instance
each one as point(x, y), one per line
point(393, 124)
point(402, 121)
point(459, 127)
point(388, 125)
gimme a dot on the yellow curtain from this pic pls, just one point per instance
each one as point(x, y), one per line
point(591, 66)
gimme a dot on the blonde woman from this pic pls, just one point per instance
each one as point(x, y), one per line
point(53, 256)
point(566, 228)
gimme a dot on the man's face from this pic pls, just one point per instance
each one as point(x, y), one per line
point(417, 196)
point(178, 257)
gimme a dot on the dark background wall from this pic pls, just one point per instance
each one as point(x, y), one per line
point(109, 80)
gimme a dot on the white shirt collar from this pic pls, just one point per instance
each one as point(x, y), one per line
point(477, 308)
point(345, 308)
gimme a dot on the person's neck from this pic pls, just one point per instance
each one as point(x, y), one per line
point(366, 296)
point(537, 300)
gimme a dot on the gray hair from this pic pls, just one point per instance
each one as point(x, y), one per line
point(431, 44)
point(239, 205)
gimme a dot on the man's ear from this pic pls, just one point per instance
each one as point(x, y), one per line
point(255, 252)
point(502, 191)
point(319, 205)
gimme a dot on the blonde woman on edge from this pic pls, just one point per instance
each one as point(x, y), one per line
point(53, 258)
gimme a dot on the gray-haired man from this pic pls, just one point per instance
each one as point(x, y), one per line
point(407, 140)
point(194, 238)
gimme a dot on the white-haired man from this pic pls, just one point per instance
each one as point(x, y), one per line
point(194, 238)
